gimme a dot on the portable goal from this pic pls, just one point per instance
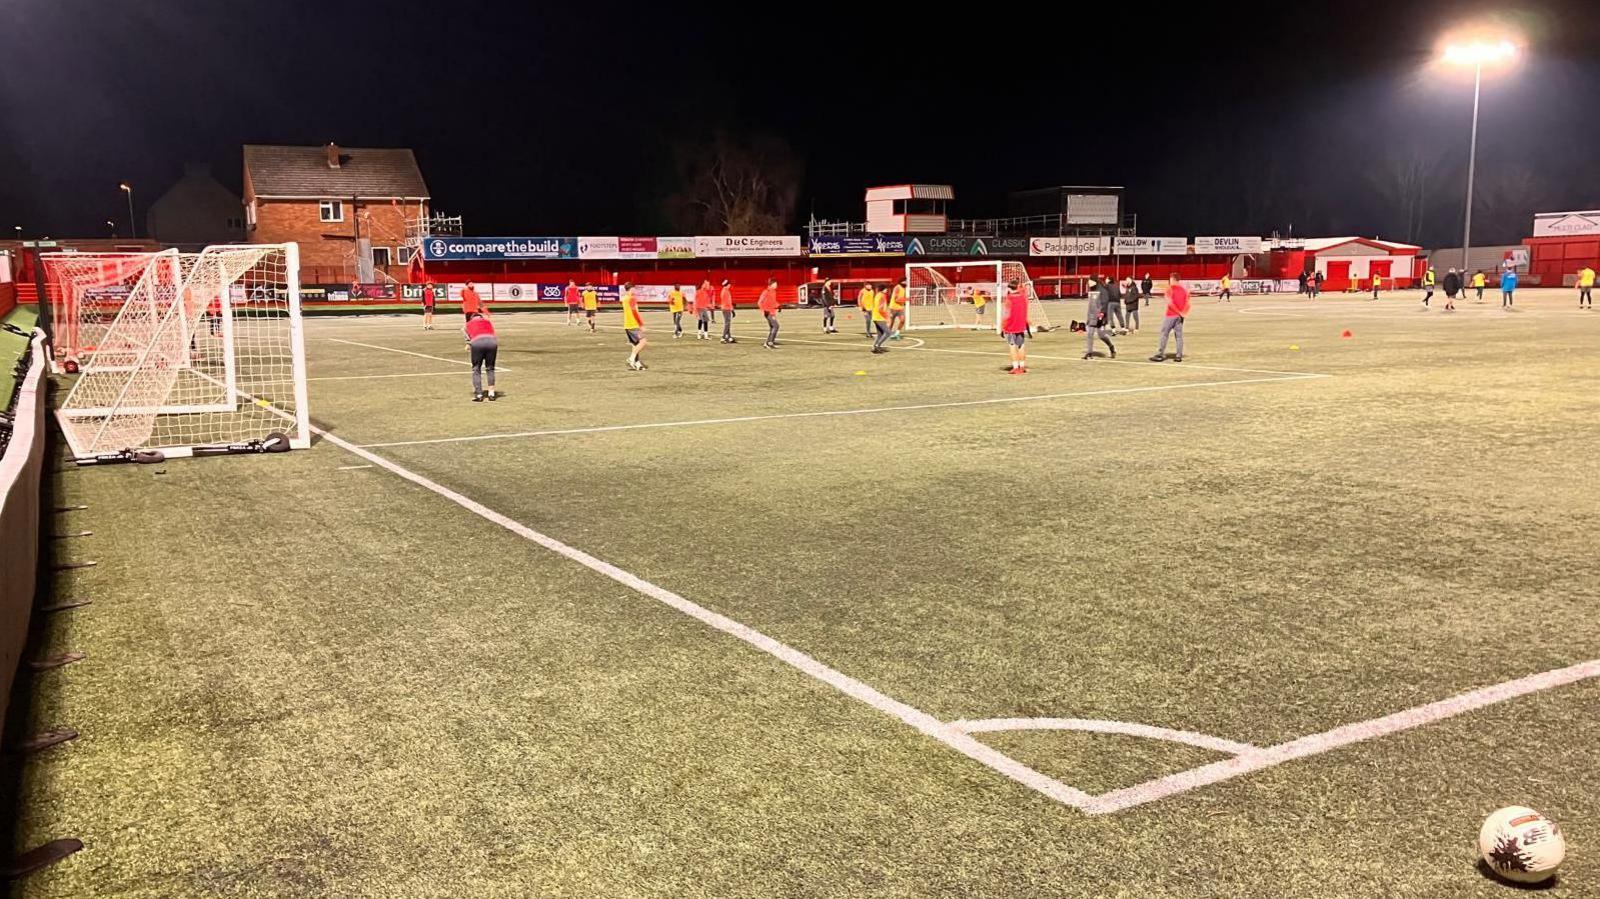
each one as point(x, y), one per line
point(206, 353)
point(947, 294)
point(86, 292)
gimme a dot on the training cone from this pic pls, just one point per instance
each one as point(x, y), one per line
point(860, 372)
point(1294, 346)
point(1346, 333)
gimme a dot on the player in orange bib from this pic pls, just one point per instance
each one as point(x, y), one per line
point(633, 326)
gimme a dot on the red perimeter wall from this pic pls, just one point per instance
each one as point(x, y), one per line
point(749, 276)
point(1552, 260)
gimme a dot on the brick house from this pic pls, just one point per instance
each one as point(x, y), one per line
point(347, 208)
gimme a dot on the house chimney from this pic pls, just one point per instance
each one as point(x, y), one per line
point(333, 155)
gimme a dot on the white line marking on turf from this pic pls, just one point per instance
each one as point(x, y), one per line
point(875, 410)
point(373, 346)
point(1097, 361)
point(408, 374)
point(351, 467)
point(1315, 744)
point(1097, 726)
point(921, 721)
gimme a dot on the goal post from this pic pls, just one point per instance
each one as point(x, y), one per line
point(207, 351)
point(968, 295)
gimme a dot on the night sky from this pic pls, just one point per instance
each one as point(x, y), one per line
point(534, 118)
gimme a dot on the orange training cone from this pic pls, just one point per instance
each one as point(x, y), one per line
point(1346, 333)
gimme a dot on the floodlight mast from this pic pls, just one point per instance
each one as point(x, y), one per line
point(1475, 54)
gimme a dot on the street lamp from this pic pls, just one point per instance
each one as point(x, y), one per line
point(133, 228)
point(113, 226)
point(1477, 54)
point(18, 229)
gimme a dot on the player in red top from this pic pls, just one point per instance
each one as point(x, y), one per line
point(725, 300)
point(768, 304)
point(470, 303)
point(573, 298)
point(427, 305)
point(485, 347)
point(1015, 326)
point(1177, 311)
point(704, 297)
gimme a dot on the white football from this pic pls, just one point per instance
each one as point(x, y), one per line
point(1522, 845)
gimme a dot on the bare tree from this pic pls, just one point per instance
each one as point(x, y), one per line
point(1404, 177)
point(730, 185)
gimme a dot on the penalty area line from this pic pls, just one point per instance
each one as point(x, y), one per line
point(827, 413)
point(915, 718)
point(390, 349)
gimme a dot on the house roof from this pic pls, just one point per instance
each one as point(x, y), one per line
point(1318, 244)
point(304, 172)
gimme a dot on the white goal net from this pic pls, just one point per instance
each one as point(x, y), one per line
point(966, 294)
point(86, 292)
point(206, 352)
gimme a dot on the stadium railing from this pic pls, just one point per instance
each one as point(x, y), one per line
point(21, 505)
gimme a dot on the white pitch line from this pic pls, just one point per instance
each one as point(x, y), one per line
point(373, 346)
point(351, 467)
point(874, 410)
point(915, 718)
point(1098, 726)
point(1174, 365)
point(1316, 744)
point(409, 374)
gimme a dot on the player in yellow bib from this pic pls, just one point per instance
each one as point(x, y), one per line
point(1479, 282)
point(675, 306)
point(1585, 285)
point(881, 317)
point(980, 301)
point(591, 305)
point(633, 327)
point(897, 310)
point(867, 301)
point(1377, 283)
point(1225, 290)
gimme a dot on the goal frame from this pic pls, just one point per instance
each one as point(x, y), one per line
point(996, 297)
point(233, 397)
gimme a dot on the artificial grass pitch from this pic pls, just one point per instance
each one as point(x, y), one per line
point(310, 677)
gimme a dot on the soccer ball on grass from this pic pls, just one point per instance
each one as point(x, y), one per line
point(1521, 845)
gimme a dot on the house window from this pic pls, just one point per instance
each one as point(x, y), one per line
point(331, 210)
point(402, 255)
point(380, 256)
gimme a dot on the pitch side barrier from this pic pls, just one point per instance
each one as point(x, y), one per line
point(21, 499)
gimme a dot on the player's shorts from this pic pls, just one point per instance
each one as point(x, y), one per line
point(427, 307)
point(588, 313)
point(572, 307)
point(1017, 340)
point(634, 335)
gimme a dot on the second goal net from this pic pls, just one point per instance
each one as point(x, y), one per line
point(87, 291)
point(966, 295)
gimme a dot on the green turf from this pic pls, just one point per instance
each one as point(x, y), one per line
point(12, 347)
point(308, 681)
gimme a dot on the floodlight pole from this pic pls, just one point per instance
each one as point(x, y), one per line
point(1472, 165)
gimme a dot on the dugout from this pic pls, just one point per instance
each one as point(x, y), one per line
point(1562, 244)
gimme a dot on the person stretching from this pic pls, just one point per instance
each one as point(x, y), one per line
point(484, 347)
point(703, 299)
